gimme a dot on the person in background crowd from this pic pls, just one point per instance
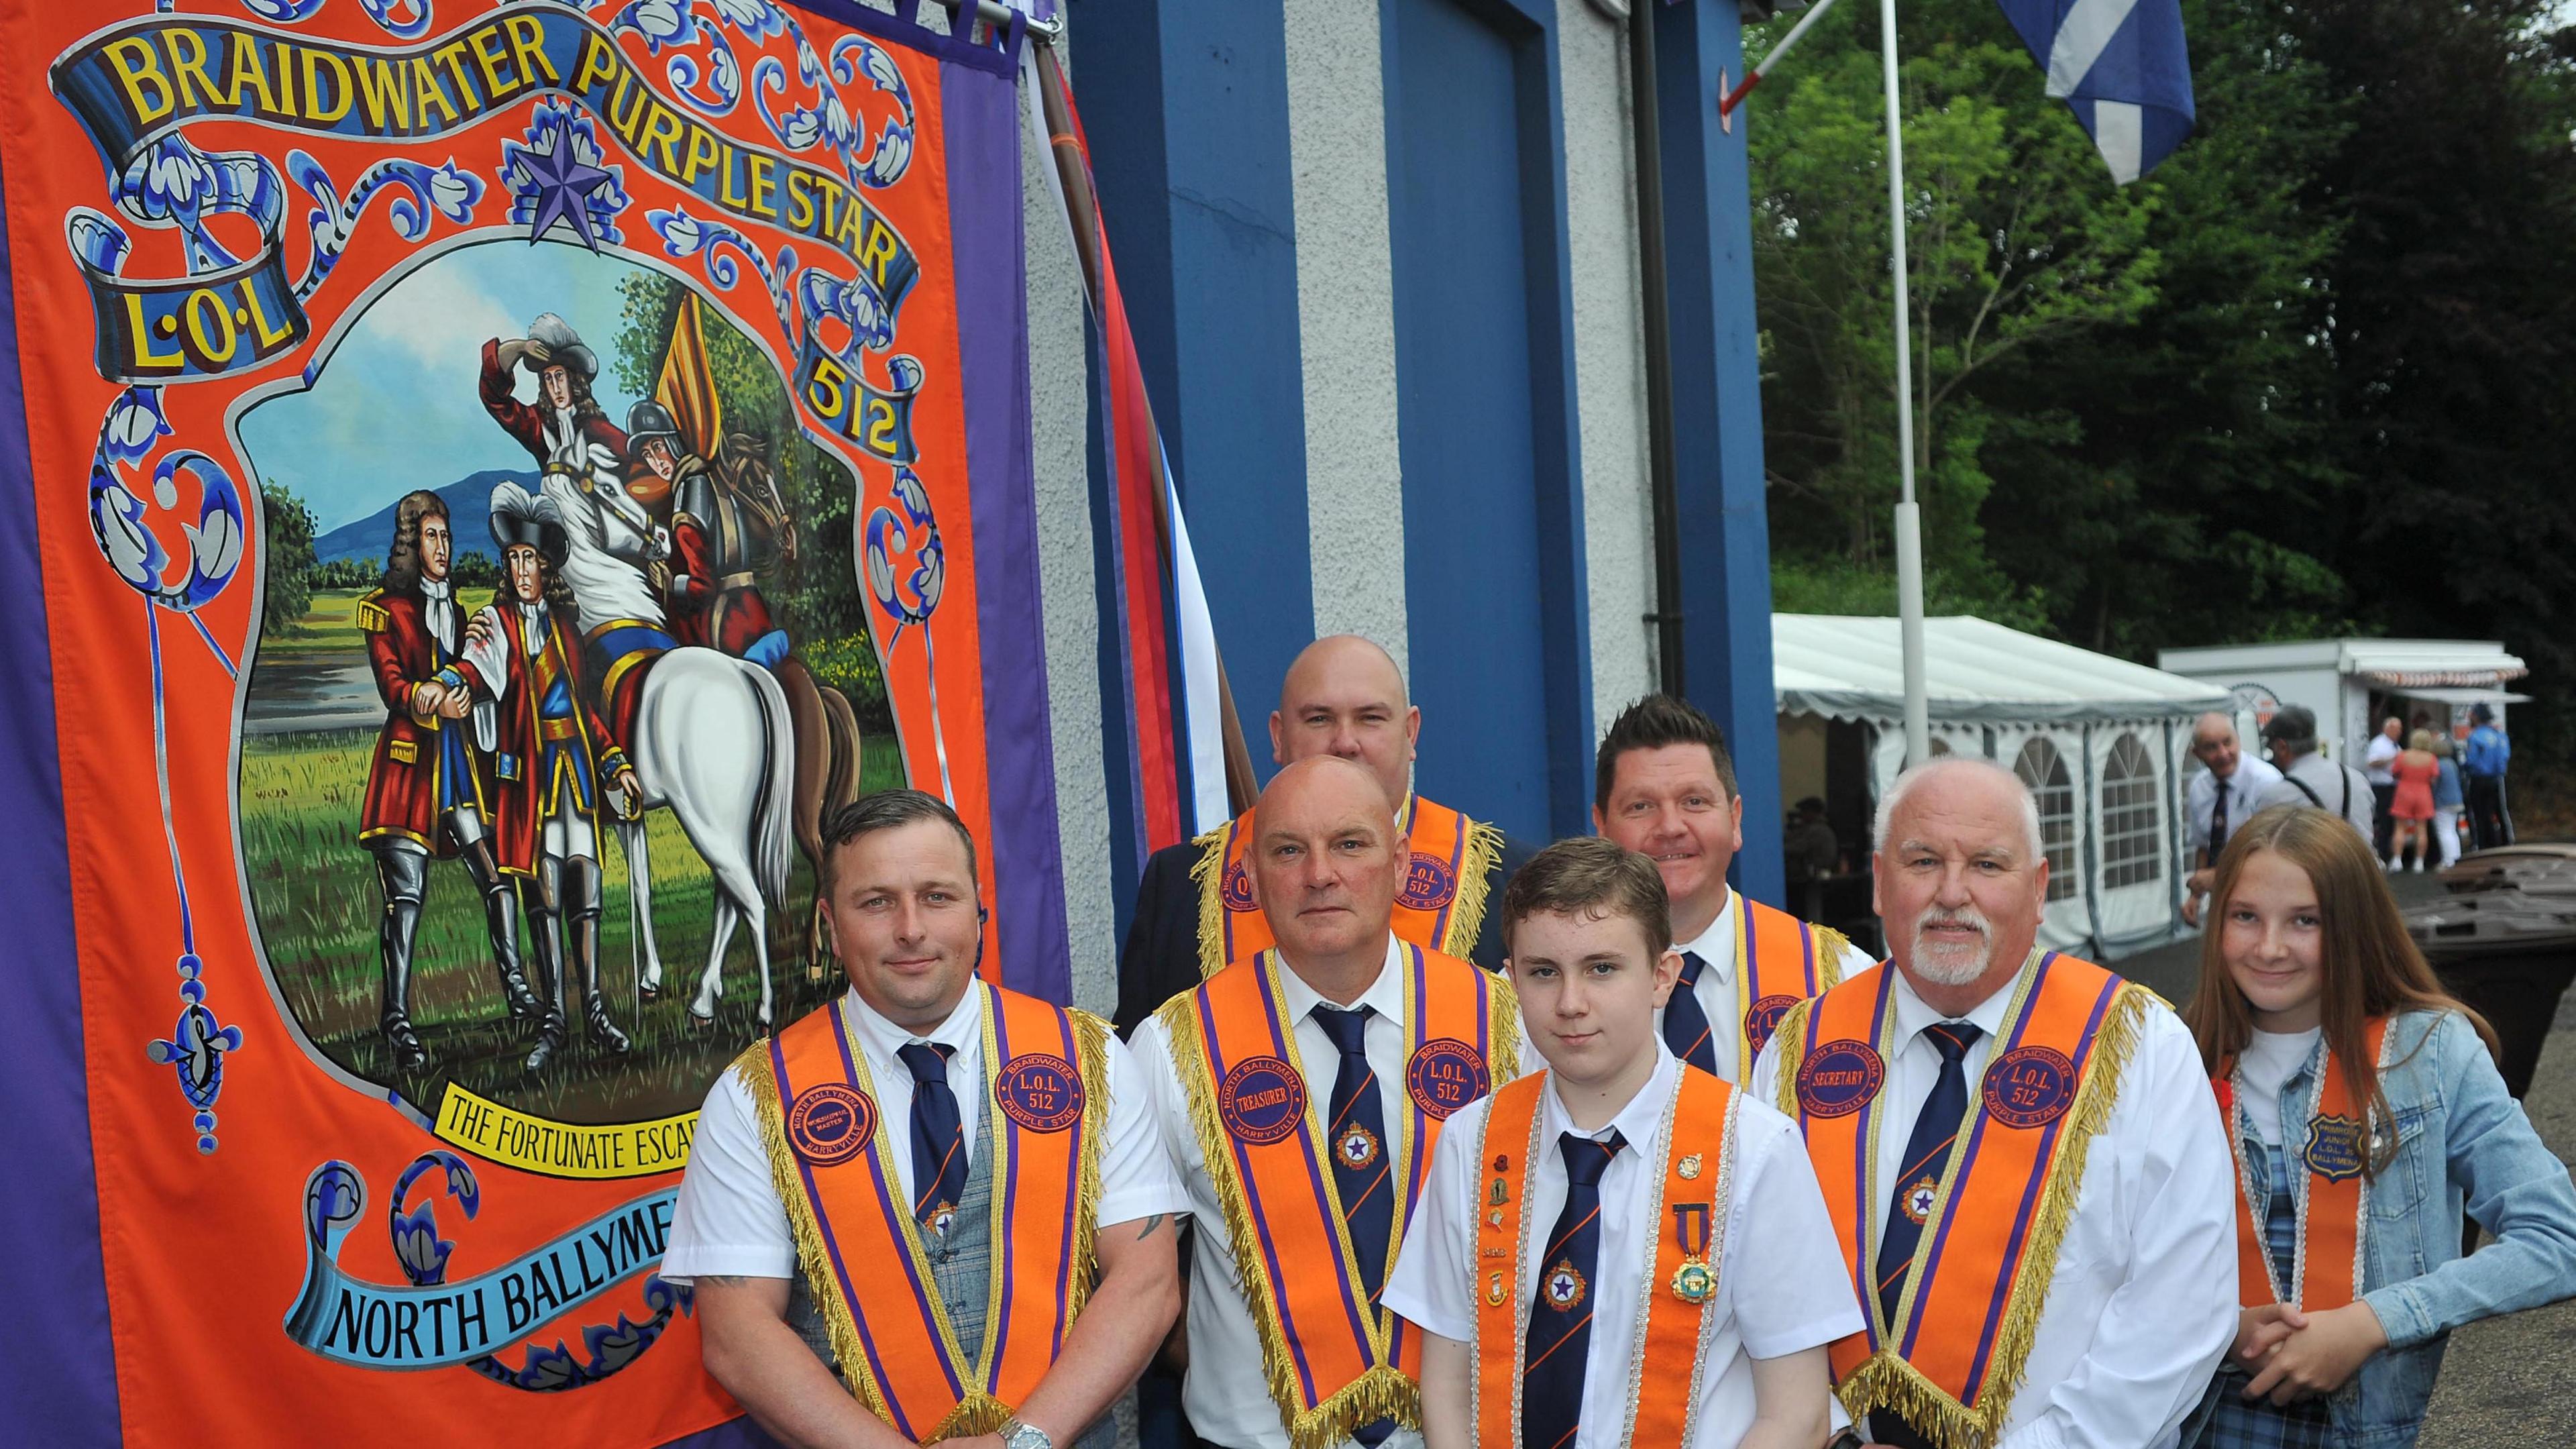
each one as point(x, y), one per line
point(2484, 762)
point(1194, 911)
point(2447, 800)
point(2415, 771)
point(2309, 778)
point(1657, 1228)
point(2221, 796)
point(1664, 787)
point(1809, 844)
point(2025, 1169)
point(2384, 748)
point(1301, 1091)
point(2367, 1115)
point(845, 1298)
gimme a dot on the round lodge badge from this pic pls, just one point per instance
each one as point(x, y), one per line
point(1356, 1148)
point(1262, 1100)
point(1839, 1078)
point(2030, 1086)
point(1040, 1091)
point(1444, 1075)
point(2334, 1148)
point(1564, 1287)
point(830, 1123)
point(1428, 884)
point(1764, 1019)
point(1235, 887)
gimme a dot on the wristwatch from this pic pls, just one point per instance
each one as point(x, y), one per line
point(1016, 1435)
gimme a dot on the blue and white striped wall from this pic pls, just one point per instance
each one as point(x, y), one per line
point(1381, 260)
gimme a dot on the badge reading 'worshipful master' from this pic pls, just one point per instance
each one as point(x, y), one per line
point(830, 1123)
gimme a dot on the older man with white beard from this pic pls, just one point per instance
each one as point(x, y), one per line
point(2019, 1149)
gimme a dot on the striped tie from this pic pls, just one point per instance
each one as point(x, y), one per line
point(1358, 1142)
point(1927, 1153)
point(938, 1138)
point(1686, 1028)
point(1560, 1324)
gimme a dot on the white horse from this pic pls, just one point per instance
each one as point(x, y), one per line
point(710, 739)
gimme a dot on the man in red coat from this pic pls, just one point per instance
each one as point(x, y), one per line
point(552, 764)
point(425, 782)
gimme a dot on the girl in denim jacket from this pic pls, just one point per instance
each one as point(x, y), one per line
point(2366, 1113)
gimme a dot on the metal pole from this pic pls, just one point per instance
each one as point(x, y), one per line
point(1726, 105)
point(1909, 517)
point(1645, 118)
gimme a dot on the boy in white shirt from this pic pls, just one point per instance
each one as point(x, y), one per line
point(1592, 1229)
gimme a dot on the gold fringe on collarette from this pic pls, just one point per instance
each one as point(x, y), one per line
point(811, 1258)
point(1091, 1037)
point(1380, 1392)
point(1209, 872)
point(1484, 850)
point(1830, 946)
point(1792, 1029)
point(1889, 1382)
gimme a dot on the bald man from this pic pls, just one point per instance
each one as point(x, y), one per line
point(1343, 697)
point(1301, 1089)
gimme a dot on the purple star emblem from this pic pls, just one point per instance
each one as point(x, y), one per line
point(561, 186)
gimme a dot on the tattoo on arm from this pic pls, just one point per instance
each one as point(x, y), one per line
point(1153, 1225)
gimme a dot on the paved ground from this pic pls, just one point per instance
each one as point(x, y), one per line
point(2507, 1381)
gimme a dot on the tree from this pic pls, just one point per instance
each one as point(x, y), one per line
point(286, 534)
point(2016, 238)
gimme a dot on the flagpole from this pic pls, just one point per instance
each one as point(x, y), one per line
point(1909, 516)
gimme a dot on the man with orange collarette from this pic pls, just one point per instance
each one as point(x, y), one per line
point(935, 1208)
point(1343, 697)
point(1301, 1090)
point(1664, 787)
point(2020, 1152)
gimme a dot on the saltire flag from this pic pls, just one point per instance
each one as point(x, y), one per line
point(2121, 65)
point(1173, 683)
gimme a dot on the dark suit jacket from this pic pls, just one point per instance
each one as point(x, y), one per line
point(1161, 957)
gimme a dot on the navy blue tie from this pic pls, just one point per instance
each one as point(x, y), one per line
point(1927, 1153)
point(1356, 1136)
point(1560, 1323)
point(1686, 1028)
point(938, 1138)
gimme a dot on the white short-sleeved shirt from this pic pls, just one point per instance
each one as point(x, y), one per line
point(2339, 788)
point(2142, 1301)
point(730, 1221)
point(1225, 1393)
point(2244, 797)
point(1781, 1288)
point(1715, 988)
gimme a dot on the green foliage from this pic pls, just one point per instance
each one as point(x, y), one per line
point(347, 573)
point(815, 594)
point(474, 569)
point(286, 541)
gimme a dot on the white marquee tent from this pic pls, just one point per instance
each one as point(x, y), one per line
point(2100, 740)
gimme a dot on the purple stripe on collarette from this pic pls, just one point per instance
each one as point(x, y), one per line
point(1861, 1165)
point(1224, 914)
point(2030, 1195)
point(1352, 1309)
point(1967, 1158)
point(1457, 862)
point(980, 116)
point(1421, 1165)
point(1000, 1259)
point(1064, 1252)
point(61, 1382)
point(891, 1203)
point(1806, 940)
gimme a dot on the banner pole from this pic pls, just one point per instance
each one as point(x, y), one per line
point(1909, 518)
point(1082, 210)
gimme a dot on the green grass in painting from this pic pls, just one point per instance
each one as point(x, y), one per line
point(316, 905)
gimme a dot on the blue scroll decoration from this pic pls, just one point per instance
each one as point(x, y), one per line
point(436, 1323)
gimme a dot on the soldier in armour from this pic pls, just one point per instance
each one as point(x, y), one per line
point(426, 784)
point(724, 536)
